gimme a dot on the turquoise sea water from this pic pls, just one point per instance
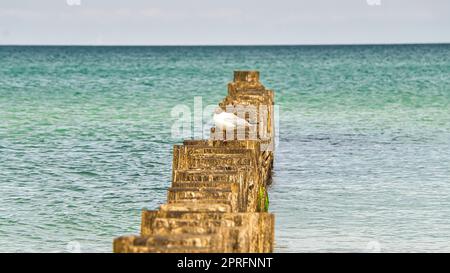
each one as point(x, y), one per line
point(363, 161)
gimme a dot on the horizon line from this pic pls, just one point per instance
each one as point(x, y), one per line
point(230, 45)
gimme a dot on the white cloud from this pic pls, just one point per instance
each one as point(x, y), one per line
point(224, 22)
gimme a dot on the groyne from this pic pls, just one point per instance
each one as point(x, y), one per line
point(218, 199)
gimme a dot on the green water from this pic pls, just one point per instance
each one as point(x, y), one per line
point(363, 161)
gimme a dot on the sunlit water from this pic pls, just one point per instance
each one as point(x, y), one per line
point(363, 161)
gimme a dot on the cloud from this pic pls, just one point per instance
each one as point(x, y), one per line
point(225, 22)
point(222, 13)
point(151, 12)
point(20, 13)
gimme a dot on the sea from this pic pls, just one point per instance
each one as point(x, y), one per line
point(362, 162)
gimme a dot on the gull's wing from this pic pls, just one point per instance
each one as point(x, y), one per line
point(229, 120)
point(224, 120)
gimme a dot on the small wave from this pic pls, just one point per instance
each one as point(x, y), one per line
point(85, 173)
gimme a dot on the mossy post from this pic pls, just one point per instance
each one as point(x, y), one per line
point(218, 199)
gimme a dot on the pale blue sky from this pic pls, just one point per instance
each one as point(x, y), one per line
point(186, 22)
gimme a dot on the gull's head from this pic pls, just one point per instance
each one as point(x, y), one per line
point(218, 110)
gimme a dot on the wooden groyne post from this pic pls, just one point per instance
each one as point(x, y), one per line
point(218, 198)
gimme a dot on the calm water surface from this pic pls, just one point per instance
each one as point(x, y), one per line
point(363, 161)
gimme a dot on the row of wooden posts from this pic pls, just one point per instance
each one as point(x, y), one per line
point(218, 199)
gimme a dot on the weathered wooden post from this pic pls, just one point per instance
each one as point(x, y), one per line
point(218, 200)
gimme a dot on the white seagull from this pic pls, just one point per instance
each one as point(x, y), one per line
point(228, 121)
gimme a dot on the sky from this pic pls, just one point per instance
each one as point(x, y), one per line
point(227, 22)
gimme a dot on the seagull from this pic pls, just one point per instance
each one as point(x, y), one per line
point(227, 121)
